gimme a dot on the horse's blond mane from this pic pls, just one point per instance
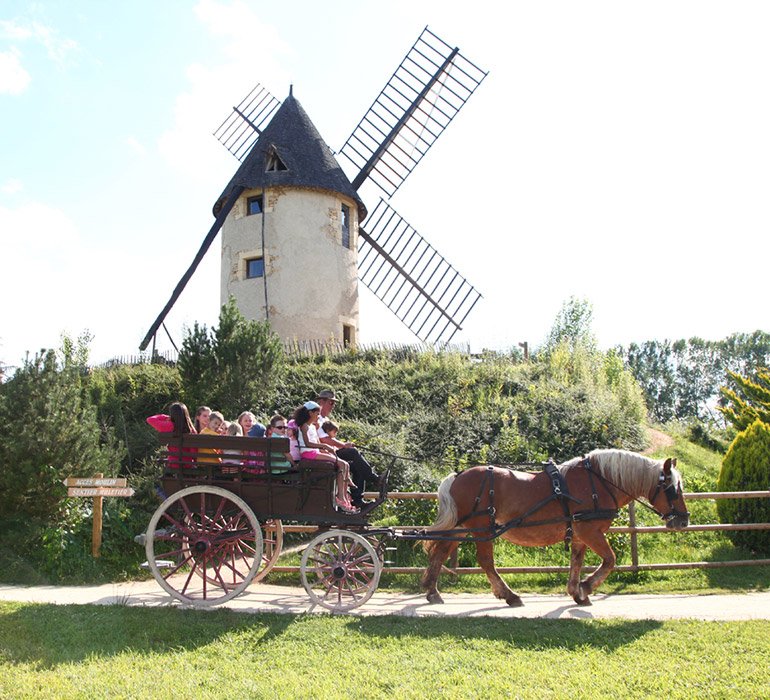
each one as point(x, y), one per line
point(634, 473)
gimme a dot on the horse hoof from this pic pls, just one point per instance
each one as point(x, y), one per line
point(582, 600)
point(514, 601)
point(434, 598)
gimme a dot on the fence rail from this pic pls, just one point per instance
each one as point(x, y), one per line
point(633, 529)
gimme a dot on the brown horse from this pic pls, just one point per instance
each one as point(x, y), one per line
point(575, 502)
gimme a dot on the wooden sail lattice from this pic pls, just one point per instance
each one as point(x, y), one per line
point(240, 130)
point(423, 95)
point(411, 278)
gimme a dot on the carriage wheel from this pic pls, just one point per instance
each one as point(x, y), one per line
point(272, 543)
point(204, 545)
point(340, 570)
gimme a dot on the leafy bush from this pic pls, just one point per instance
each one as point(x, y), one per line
point(49, 431)
point(124, 396)
point(746, 467)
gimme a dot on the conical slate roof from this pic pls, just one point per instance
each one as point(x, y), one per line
point(291, 137)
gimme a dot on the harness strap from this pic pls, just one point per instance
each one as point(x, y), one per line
point(489, 477)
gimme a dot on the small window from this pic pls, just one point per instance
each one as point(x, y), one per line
point(274, 161)
point(255, 267)
point(347, 336)
point(346, 226)
point(254, 205)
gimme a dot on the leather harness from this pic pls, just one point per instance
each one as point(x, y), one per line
point(559, 492)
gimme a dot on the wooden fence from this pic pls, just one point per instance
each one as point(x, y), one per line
point(632, 528)
point(298, 348)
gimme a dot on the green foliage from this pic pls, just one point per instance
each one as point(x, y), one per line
point(49, 431)
point(746, 467)
point(681, 379)
point(745, 400)
point(124, 396)
point(573, 325)
point(233, 366)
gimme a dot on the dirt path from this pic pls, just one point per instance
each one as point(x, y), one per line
point(261, 598)
point(658, 440)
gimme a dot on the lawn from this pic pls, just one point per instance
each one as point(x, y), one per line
point(120, 652)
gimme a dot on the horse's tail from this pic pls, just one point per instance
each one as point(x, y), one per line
point(447, 511)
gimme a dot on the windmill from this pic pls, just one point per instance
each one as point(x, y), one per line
point(290, 212)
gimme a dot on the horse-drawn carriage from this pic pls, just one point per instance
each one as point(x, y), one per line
point(220, 526)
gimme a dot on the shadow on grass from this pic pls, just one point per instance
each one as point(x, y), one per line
point(737, 577)
point(51, 635)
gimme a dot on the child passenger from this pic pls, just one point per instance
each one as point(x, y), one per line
point(232, 459)
point(310, 447)
point(216, 421)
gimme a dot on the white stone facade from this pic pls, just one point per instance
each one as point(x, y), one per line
point(310, 286)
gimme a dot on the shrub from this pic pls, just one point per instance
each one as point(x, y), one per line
point(746, 467)
point(49, 431)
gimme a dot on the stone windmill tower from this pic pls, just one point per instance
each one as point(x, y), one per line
point(289, 244)
point(294, 245)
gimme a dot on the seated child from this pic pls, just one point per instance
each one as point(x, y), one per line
point(232, 459)
point(216, 420)
point(291, 433)
point(331, 429)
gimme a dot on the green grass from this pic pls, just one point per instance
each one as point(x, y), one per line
point(120, 652)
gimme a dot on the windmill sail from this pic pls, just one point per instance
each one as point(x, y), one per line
point(412, 279)
point(428, 89)
point(242, 127)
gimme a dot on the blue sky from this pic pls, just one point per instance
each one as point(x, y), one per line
point(616, 152)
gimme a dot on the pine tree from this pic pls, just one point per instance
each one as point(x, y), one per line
point(748, 401)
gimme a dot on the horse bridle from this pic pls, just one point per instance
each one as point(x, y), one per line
point(666, 484)
point(671, 490)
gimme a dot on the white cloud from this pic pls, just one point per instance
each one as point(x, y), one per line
point(58, 48)
point(50, 275)
point(12, 186)
point(14, 79)
point(251, 50)
point(136, 146)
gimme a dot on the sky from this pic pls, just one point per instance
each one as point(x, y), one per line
point(617, 153)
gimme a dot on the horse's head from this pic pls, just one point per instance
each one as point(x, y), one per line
point(667, 499)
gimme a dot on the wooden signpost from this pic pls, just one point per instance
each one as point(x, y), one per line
point(97, 488)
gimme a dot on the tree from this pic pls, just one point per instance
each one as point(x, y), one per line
point(232, 367)
point(746, 467)
point(573, 324)
point(747, 401)
point(49, 431)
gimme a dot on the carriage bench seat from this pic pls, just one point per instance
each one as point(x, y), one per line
point(246, 467)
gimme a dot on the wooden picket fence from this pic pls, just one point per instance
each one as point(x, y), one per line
point(296, 348)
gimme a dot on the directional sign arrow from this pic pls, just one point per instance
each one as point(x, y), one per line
point(94, 483)
point(90, 492)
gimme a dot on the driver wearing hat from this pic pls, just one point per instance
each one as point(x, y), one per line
point(360, 470)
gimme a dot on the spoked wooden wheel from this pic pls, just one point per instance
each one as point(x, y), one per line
point(204, 545)
point(272, 543)
point(340, 570)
